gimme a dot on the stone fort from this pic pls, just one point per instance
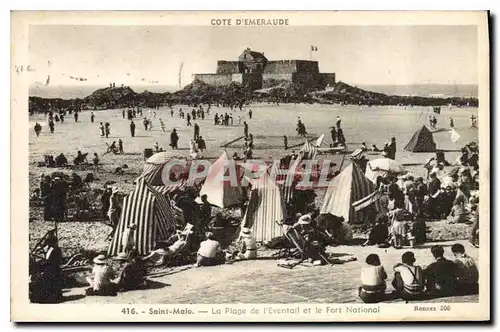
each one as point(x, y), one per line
point(253, 68)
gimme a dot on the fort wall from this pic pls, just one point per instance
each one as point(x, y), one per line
point(228, 67)
point(214, 79)
point(328, 79)
point(253, 69)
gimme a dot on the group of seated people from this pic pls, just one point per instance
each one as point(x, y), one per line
point(61, 160)
point(397, 228)
point(211, 253)
point(105, 281)
point(411, 282)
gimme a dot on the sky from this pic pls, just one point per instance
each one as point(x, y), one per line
point(137, 55)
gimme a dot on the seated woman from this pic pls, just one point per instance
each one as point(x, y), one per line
point(159, 255)
point(373, 278)
point(101, 281)
point(132, 276)
point(379, 235)
point(408, 279)
point(458, 214)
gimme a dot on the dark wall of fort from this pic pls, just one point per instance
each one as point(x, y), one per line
point(228, 67)
point(214, 79)
point(328, 79)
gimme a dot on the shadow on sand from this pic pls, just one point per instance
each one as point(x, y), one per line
point(160, 274)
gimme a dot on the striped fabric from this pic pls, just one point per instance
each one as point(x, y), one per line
point(346, 188)
point(366, 201)
point(264, 209)
point(152, 174)
point(167, 190)
point(152, 214)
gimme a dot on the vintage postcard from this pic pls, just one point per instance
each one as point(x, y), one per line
point(250, 166)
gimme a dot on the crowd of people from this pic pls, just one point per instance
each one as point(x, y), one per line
point(404, 205)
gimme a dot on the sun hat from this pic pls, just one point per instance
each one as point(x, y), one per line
point(245, 232)
point(305, 220)
point(100, 259)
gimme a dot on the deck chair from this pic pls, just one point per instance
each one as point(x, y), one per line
point(164, 257)
point(298, 241)
point(111, 149)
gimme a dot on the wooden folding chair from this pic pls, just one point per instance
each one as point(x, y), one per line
point(294, 237)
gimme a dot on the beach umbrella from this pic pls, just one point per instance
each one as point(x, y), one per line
point(163, 157)
point(383, 167)
point(387, 165)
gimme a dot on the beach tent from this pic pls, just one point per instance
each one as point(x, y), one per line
point(264, 209)
point(421, 141)
point(153, 175)
point(151, 213)
point(346, 188)
point(221, 193)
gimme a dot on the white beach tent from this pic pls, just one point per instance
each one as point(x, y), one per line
point(222, 193)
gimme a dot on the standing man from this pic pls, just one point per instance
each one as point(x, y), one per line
point(107, 129)
point(51, 126)
point(114, 208)
point(205, 213)
point(392, 148)
point(132, 128)
point(333, 133)
point(76, 116)
point(38, 129)
point(174, 139)
point(338, 121)
point(120, 146)
point(245, 128)
point(250, 114)
point(101, 126)
point(196, 131)
point(92, 117)
point(188, 118)
point(123, 113)
point(285, 142)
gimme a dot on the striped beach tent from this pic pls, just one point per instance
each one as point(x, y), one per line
point(153, 168)
point(151, 213)
point(348, 187)
point(264, 208)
